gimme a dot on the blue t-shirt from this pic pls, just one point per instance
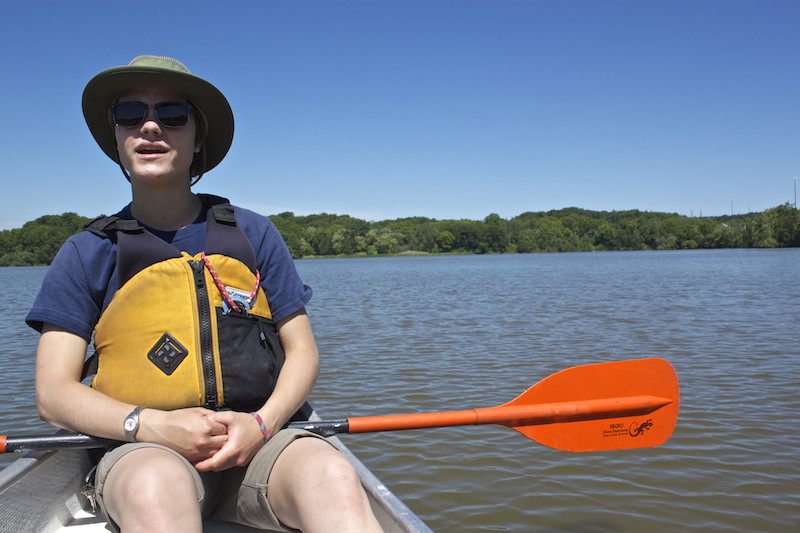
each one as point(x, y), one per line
point(81, 280)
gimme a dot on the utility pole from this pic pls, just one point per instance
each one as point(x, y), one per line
point(795, 192)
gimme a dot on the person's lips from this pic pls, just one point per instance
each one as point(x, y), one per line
point(150, 149)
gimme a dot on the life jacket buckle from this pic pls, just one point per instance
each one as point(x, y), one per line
point(239, 298)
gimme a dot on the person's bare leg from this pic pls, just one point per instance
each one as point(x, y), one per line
point(314, 488)
point(151, 490)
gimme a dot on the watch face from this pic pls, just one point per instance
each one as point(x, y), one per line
point(130, 423)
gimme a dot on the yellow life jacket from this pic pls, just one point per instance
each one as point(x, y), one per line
point(173, 336)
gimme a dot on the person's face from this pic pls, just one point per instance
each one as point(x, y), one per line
point(151, 152)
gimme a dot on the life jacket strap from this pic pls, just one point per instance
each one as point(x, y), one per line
point(224, 237)
point(137, 248)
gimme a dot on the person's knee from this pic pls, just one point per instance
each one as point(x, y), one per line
point(326, 467)
point(336, 471)
point(312, 478)
point(147, 481)
point(341, 496)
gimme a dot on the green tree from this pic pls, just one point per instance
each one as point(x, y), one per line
point(785, 223)
point(444, 241)
point(496, 234)
point(550, 235)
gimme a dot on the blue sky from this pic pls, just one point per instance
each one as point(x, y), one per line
point(438, 108)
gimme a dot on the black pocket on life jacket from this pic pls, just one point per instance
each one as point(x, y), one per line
point(251, 357)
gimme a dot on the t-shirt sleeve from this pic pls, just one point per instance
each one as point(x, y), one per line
point(74, 287)
point(285, 291)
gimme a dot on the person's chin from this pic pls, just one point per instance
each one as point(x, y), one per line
point(154, 174)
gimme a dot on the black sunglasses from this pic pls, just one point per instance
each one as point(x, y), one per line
point(168, 114)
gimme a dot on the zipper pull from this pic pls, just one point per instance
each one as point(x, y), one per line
point(262, 335)
point(199, 278)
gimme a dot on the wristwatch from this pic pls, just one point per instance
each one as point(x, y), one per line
point(131, 424)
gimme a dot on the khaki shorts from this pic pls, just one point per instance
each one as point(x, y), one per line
point(236, 495)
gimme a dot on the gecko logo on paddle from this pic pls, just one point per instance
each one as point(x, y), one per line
point(618, 429)
point(637, 429)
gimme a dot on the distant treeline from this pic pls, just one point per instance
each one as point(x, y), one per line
point(564, 230)
point(37, 242)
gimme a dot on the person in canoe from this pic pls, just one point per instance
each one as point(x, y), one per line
point(203, 349)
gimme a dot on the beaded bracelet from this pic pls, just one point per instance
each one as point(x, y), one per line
point(264, 430)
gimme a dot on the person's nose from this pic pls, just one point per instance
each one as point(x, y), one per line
point(150, 123)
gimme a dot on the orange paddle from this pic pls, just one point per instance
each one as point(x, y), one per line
point(604, 406)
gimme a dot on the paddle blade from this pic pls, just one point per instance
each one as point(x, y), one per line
point(604, 406)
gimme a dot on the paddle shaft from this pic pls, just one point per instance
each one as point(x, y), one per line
point(511, 416)
point(57, 441)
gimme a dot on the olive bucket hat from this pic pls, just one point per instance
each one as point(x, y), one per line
point(215, 114)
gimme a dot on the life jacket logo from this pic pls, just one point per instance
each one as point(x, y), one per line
point(167, 354)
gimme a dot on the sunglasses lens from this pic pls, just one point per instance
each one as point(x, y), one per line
point(172, 115)
point(129, 114)
point(132, 114)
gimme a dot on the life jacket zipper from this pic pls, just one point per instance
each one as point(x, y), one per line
point(206, 341)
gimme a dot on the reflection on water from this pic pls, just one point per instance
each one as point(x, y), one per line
point(444, 333)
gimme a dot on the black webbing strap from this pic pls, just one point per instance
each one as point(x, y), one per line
point(224, 237)
point(137, 248)
point(107, 227)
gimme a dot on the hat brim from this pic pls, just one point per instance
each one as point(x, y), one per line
point(105, 88)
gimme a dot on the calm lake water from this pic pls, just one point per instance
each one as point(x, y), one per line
point(444, 333)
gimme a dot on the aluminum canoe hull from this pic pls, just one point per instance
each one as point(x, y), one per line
point(41, 492)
